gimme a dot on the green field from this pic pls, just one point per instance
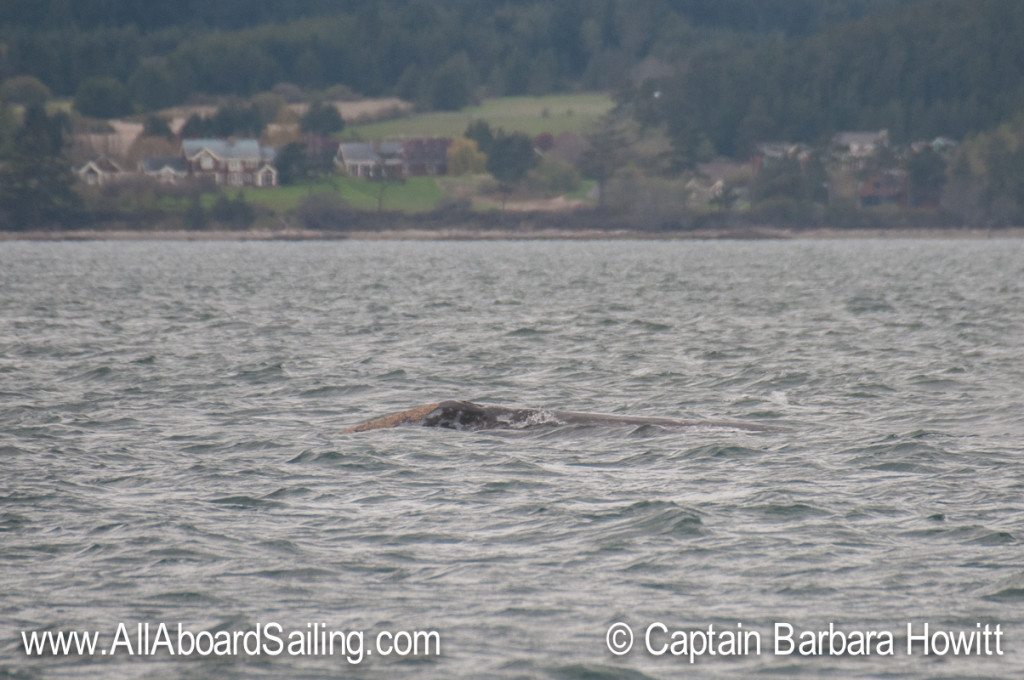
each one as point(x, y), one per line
point(416, 194)
point(532, 115)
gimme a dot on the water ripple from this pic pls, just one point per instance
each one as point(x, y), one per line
point(171, 448)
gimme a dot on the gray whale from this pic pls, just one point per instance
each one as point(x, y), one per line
point(465, 415)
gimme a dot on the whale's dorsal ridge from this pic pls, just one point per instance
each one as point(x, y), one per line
point(455, 414)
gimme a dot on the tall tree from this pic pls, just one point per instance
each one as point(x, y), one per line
point(510, 158)
point(480, 132)
point(154, 85)
point(384, 174)
point(601, 158)
point(103, 98)
point(292, 166)
point(451, 88)
point(36, 183)
point(228, 121)
point(322, 119)
point(926, 175)
point(24, 90)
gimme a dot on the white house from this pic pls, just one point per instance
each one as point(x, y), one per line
point(858, 146)
point(100, 171)
point(231, 162)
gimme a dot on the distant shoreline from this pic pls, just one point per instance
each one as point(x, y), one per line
point(544, 234)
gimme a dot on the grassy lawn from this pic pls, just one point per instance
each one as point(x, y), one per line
point(416, 194)
point(581, 193)
point(532, 115)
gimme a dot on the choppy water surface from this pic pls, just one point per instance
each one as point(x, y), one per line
point(170, 450)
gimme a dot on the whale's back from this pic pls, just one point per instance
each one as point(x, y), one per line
point(466, 415)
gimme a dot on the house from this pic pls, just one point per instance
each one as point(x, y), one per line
point(853, 148)
point(366, 159)
point(940, 145)
point(266, 176)
point(231, 162)
point(944, 144)
point(888, 187)
point(170, 170)
point(409, 158)
point(767, 153)
point(720, 179)
point(100, 172)
point(425, 157)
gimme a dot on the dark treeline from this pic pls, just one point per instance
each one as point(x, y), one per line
point(936, 67)
point(439, 53)
point(792, 17)
point(150, 16)
point(372, 47)
point(729, 73)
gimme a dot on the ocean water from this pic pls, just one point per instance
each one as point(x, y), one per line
point(171, 453)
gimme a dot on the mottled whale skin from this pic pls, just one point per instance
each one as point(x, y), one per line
point(465, 415)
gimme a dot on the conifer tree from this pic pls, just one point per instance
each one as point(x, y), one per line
point(36, 183)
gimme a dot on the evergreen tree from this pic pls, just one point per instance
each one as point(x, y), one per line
point(228, 121)
point(24, 90)
point(451, 88)
point(602, 157)
point(103, 98)
point(36, 183)
point(196, 127)
point(155, 86)
point(926, 175)
point(292, 165)
point(510, 158)
point(480, 132)
point(322, 119)
point(155, 126)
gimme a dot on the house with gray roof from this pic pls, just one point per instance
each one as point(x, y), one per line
point(100, 172)
point(367, 159)
point(853, 148)
point(170, 170)
point(231, 162)
point(406, 158)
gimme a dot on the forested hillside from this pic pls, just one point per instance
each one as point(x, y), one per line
point(935, 67)
point(163, 53)
point(694, 81)
point(148, 16)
